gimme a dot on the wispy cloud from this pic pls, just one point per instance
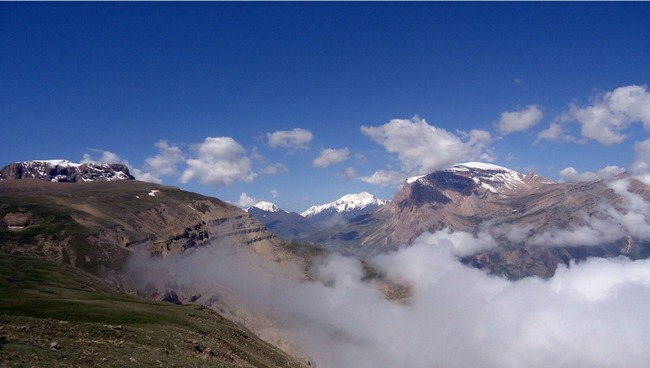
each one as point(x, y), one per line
point(520, 120)
point(106, 157)
point(295, 139)
point(570, 174)
point(385, 178)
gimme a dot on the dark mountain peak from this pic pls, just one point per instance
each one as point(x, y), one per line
point(65, 171)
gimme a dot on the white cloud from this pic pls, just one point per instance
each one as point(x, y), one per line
point(555, 132)
point(296, 139)
point(519, 121)
point(422, 148)
point(570, 174)
point(384, 178)
point(274, 169)
point(349, 173)
point(163, 164)
point(219, 161)
point(610, 114)
point(591, 314)
point(331, 156)
point(107, 157)
point(641, 165)
point(246, 201)
point(275, 193)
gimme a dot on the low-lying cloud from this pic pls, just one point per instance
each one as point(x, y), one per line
point(591, 314)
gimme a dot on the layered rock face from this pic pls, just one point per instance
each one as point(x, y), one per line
point(96, 225)
point(459, 198)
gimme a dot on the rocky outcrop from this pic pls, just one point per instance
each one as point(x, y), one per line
point(65, 171)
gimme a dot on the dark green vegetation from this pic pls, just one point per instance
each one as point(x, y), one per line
point(53, 314)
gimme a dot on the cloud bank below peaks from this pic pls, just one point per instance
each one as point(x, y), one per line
point(591, 314)
point(422, 148)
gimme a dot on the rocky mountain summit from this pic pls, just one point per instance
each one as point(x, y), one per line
point(65, 171)
point(536, 222)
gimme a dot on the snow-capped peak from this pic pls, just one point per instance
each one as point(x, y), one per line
point(65, 171)
point(498, 179)
point(266, 206)
point(55, 163)
point(347, 203)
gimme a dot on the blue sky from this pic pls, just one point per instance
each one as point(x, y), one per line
point(301, 103)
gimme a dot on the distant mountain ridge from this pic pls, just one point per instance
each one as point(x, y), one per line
point(65, 171)
point(291, 225)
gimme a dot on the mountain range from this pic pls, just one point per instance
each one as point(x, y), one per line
point(293, 226)
point(487, 199)
point(110, 227)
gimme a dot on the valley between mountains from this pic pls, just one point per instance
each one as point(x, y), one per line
point(360, 281)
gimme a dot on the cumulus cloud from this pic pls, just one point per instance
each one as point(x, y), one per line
point(331, 156)
point(519, 121)
point(295, 139)
point(422, 148)
point(275, 193)
point(570, 174)
point(609, 115)
point(164, 163)
point(219, 161)
point(106, 157)
point(384, 178)
point(245, 201)
point(591, 314)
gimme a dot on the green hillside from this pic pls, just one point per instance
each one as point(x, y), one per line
point(56, 315)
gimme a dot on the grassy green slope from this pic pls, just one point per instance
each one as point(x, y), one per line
point(53, 314)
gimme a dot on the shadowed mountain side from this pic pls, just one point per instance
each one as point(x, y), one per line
point(285, 225)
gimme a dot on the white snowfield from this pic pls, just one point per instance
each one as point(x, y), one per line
point(56, 163)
